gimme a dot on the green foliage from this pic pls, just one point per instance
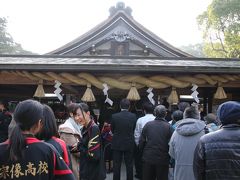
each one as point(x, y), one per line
point(193, 49)
point(208, 50)
point(221, 28)
point(7, 44)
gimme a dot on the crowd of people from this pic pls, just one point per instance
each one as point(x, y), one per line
point(160, 145)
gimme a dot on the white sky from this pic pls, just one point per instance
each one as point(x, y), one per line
point(41, 26)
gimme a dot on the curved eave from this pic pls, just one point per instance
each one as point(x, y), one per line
point(122, 68)
point(130, 65)
point(81, 40)
point(158, 39)
point(83, 37)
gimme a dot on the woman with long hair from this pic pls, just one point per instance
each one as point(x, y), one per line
point(49, 133)
point(25, 157)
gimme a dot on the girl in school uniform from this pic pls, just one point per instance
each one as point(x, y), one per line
point(23, 156)
point(49, 133)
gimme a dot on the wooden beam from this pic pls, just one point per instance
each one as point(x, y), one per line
point(70, 88)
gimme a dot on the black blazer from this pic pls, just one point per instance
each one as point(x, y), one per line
point(154, 142)
point(123, 125)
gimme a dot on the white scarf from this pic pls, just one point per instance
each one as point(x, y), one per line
point(77, 127)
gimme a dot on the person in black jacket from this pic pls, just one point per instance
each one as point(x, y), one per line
point(217, 155)
point(49, 134)
point(25, 157)
point(92, 165)
point(123, 125)
point(154, 144)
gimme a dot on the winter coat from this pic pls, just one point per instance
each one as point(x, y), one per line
point(70, 136)
point(92, 165)
point(217, 155)
point(182, 145)
point(123, 125)
point(154, 142)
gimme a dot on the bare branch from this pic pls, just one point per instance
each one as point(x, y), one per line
point(221, 42)
point(212, 45)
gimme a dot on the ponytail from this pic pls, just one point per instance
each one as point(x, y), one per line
point(16, 144)
point(27, 113)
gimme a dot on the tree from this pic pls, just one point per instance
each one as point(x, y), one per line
point(221, 28)
point(7, 44)
point(193, 49)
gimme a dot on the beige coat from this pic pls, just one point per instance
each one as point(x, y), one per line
point(68, 134)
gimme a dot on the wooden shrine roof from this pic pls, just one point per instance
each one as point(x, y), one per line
point(118, 64)
point(120, 27)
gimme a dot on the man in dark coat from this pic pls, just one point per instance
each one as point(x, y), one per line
point(123, 125)
point(217, 155)
point(154, 144)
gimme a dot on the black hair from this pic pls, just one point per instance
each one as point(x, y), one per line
point(210, 118)
point(177, 115)
point(148, 107)
point(183, 105)
point(165, 103)
point(72, 108)
point(27, 114)
point(49, 128)
point(124, 104)
point(84, 108)
point(160, 111)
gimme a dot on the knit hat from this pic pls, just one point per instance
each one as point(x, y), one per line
point(229, 112)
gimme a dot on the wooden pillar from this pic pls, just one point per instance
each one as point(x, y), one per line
point(205, 104)
point(210, 102)
point(207, 100)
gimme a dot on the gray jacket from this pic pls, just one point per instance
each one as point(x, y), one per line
point(182, 145)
